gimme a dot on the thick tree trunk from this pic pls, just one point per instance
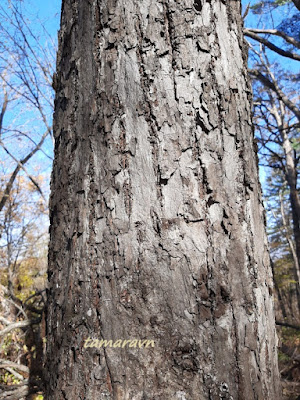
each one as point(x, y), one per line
point(157, 226)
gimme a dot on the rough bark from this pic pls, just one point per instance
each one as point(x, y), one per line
point(157, 225)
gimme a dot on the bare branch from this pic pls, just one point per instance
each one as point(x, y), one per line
point(4, 321)
point(274, 86)
point(20, 367)
point(3, 110)
point(24, 169)
point(19, 324)
point(12, 372)
point(246, 11)
point(15, 394)
point(287, 325)
point(271, 46)
point(17, 169)
point(275, 32)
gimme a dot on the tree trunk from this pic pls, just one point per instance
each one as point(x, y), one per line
point(291, 177)
point(157, 225)
point(280, 308)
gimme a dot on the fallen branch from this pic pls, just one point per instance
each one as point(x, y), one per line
point(20, 367)
point(14, 392)
point(19, 324)
point(13, 372)
point(287, 325)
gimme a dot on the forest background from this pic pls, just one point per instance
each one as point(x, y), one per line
point(28, 42)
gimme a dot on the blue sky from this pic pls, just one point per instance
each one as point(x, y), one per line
point(19, 114)
point(49, 13)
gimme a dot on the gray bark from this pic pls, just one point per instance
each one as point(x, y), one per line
point(157, 224)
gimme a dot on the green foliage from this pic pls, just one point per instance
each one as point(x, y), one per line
point(9, 379)
point(259, 6)
point(283, 357)
point(4, 277)
point(284, 274)
point(282, 2)
point(289, 347)
point(6, 344)
point(23, 250)
point(296, 144)
point(265, 5)
point(290, 336)
point(26, 278)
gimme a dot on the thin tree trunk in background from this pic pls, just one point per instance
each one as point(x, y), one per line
point(281, 310)
point(286, 232)
point(157, 224)
point(290, 172)
point(291, 177)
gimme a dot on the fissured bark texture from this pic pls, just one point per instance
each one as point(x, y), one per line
point(157, 224)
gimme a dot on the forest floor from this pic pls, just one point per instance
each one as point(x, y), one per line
point(289, 362)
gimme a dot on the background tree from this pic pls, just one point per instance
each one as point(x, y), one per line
point(273, 33)
point(277, 132)
point(156, 219)
point(26, 69)
point(277, 112)
point(282, 248)
point(22, 285)
point(27, 55)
